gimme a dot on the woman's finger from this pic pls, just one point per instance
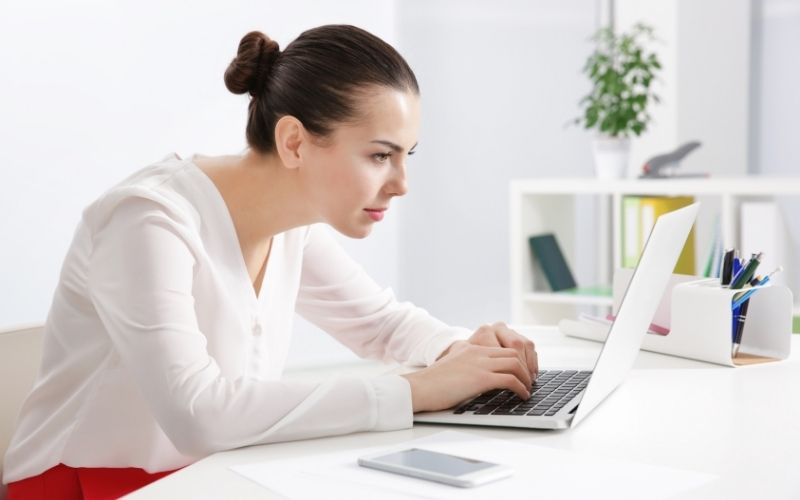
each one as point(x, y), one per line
point(512, 366)
point(499, 352)
point(512, 383)
point(524, 347)
point(535, 357)
point(485, 336)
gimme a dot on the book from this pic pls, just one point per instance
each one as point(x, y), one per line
point(715, 254)
point(545, 250)
point(590, 291)
point(762, 229)
point(631, 231)
point(639, 215)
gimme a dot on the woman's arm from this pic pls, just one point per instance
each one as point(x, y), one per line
point(337, 295)
point(141, 280)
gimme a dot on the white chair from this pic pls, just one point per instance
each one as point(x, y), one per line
point(20, 356)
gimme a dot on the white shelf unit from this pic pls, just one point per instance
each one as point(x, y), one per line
point(571, 208)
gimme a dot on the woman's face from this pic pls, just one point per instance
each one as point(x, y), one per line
point(355, 172)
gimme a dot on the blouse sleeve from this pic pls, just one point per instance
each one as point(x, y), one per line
point(337, 295)
point(141, 284)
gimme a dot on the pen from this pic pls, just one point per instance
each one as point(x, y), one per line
point(738, 321)
point(743, 304)
point(744, 275)
point(737, 301)
point(737, 265)
point(742, 296)
point(727, 267)
point(740, 328)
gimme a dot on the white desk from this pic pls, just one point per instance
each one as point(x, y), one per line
point(742, 424)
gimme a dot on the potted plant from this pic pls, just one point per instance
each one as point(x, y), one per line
point(621, 72)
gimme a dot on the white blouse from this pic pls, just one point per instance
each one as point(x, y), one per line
point(157, 350)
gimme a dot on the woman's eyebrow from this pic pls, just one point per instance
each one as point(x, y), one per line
point(392, 145)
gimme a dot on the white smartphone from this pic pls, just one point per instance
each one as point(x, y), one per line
point(435, 466)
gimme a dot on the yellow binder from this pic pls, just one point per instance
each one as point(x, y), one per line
point(631, 231)
point(651, 207)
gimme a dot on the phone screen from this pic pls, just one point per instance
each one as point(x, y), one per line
point(435, 462)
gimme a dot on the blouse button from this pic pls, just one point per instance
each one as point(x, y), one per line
point(257, 329)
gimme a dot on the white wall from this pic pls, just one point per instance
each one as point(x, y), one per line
point(93, 90)
point(714, 83)
point(662, 132)
point(499, 81)
point(704, 48)
point(778, 99)
point(777, 105)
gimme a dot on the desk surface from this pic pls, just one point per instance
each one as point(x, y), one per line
point(742, 424)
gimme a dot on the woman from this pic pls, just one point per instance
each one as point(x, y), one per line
point(170, 325)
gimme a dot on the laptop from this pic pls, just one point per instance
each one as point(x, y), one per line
point(560, 399)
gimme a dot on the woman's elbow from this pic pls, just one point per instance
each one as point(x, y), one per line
point(195, 437)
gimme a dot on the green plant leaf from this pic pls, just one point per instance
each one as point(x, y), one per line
point(621, 71)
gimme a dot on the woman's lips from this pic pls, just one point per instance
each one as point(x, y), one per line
point(375, 214)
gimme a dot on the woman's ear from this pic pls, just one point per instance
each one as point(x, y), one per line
point(289, 136)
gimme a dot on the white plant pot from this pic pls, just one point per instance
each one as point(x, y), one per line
point(611, 156)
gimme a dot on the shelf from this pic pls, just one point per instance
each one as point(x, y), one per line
point(567, 298)
point(749, 186)
point(585, 215)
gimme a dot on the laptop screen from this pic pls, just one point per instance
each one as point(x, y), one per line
point(638, 306)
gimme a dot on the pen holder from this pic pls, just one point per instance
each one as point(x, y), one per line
point(701, 319)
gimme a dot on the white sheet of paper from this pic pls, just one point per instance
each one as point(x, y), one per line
point(539, 472)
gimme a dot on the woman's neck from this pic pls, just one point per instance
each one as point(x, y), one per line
point(264, 197)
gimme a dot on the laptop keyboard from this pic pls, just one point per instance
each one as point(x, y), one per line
point(551, 391)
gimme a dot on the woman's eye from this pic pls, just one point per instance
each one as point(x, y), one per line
point(381, 157)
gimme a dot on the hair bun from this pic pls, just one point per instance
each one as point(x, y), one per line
point(248, 71)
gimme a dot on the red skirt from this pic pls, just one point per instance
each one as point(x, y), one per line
point(83, 483)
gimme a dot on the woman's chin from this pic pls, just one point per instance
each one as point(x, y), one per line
point(355, 231)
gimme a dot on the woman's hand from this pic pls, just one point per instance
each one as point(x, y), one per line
point(500, 335)
point(494, 357)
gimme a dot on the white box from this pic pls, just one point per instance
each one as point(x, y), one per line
point(700, 322)
point(701, 319)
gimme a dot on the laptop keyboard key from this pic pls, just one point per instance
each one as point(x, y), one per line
point(551, 392)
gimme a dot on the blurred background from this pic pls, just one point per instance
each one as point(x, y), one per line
point(92, 90)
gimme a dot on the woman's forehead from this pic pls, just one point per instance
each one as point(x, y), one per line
point(386, 112)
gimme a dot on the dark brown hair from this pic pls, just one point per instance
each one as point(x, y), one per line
point(316, 78)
